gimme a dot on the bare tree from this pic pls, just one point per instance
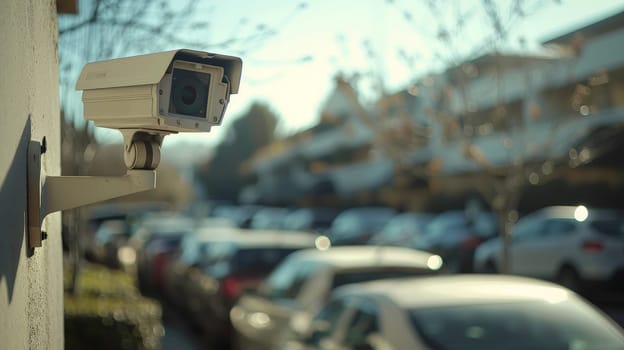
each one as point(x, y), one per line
point(107, 29)
point(113, 28)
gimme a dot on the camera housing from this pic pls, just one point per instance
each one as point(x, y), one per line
point(146, 97)
point(160, 93)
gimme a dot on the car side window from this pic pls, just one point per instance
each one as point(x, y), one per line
point(559, 227)
point(529, 229)
point(280, 280)
point(364, 323)
point(326, 320)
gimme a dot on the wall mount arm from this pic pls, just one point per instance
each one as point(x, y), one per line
point(67, 192)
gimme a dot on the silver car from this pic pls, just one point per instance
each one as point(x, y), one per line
point(295, 290)
point(458, 312)
point(570, 245)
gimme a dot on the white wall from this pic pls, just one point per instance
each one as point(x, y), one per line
point(31, 288)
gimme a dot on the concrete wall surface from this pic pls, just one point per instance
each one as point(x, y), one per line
point(31, 285)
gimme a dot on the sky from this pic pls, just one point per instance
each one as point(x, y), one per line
point(293, 70)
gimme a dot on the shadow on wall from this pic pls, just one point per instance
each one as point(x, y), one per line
point(13, 213)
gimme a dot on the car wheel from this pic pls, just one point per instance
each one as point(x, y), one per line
point(490, 267)
point(569, 278)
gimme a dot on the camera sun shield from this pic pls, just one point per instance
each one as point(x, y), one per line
point(167, 92)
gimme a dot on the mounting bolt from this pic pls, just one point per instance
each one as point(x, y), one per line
point(44, 235)
point(44, 145)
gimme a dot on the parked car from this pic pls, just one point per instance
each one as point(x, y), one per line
point(301, 284)
point(111, 237)
point(229, 267)
point(458, 312)
point(240, 214)
point(357, 225)
point(455, 235)
point(193, 248)
point(157, 238)
point(269, 218)
point(403, 230)
point(574, 246)
point(130, 213)
point(311, 219)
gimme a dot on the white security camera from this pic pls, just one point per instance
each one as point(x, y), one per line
point(145, 97)
point(149, 96)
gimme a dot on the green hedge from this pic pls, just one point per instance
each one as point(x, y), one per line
point(108, 312)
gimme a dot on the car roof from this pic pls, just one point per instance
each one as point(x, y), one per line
point(568, 212)
point(347, 257)
point(258, 238)
point(458, 290)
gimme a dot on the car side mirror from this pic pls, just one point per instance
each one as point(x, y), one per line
point(374, 342)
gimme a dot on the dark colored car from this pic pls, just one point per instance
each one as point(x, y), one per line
point(193, 248)
point(455, 235)
point(110, 238)
point(357, 225)
point(130, 213)
point(231, 266)
point(155, 241)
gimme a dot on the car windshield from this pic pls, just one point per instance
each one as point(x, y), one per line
point(567, 325)
point(259, 259)
point(348, 277)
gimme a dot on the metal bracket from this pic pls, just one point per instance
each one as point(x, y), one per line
point(33, 186)
point(67, 192)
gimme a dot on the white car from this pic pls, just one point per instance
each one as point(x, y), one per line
point(480, 312)
point(570, 245)
point(295, 290)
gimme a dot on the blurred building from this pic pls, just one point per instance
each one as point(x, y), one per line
point(325, 162)
point(557, 114)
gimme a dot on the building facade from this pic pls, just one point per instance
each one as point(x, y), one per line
point(31, 283)
point(558, 113)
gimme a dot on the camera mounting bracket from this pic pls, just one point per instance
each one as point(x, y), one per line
point(142, 148)
point(57, 193)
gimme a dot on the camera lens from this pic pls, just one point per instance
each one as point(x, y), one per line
point(189, 93)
